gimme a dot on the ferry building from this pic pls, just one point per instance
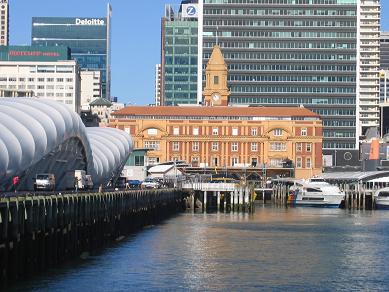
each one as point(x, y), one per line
point(217, 136)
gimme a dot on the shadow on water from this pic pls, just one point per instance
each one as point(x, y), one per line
point(276, 248)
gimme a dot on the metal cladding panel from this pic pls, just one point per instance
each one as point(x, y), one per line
point(111, 148)
point(31, 129)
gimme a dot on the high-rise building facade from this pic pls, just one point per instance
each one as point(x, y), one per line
point(4, 22)
point(384, 50)
point(157, 86)
point(318, 53)
point(56, 80)
point(179, 54)
point(88, 38)
point(90, 87)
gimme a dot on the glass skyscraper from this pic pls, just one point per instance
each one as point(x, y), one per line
point(316, 53)
point(179, 55)
point(87, 38)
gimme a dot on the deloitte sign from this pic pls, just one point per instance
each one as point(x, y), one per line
point(89, 21)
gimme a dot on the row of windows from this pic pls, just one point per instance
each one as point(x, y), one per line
point(234, 131)
point(284, 34)
point(283, 12)
point(180, 41)
point(336, 112)
point(293, 78)
point(180, 78)
point(289, 67)
point(290, 89)
point(338, 145)
point(30, 79)
point(185, 86)
point(338, 123)
point(281, 45)
point(334, 134)
point(185, 70)
point(278, 23)
point(321, 2)
point(221, 118)
point(181, 60)
point(284, 56)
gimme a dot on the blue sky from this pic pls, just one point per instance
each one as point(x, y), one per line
point(135, 37)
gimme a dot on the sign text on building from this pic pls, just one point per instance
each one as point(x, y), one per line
point(89, 21)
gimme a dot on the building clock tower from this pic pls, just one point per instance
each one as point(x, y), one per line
point(216, 92)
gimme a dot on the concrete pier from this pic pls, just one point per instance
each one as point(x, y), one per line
point(38, 232)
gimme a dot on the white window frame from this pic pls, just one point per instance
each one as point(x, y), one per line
point(215, 146)
point(176, 131)
point(254, 131)
point(299, 147)
point(234, 147)
point(176, 146)
point(299, 162)
point(195, 131)
point(215, 131)
point(308, 162)
point(235, 132)
point(308, 147)
point(254, 146)
point(195, 146)
point(304, 131)
point(277, 132)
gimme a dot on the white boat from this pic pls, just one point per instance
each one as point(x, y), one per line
point(315, 192)
point(381, 198)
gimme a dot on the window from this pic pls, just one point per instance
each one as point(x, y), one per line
point(234, 161)
point(176, 131)
point(41, 79)
point(299, 162)
point(254, 146)
point(152, 131)
point(308, 162)
point(176, 146)
point(234, 146)
point(153, 145)
point(139, 160)
point(254, 162)
point(215, 131)
point(215, 79)
point(59, 79)
point(276, 162)
point(195, 146)
point(50, 79)
point(254, 131)
point(299, 147)
point(303, 131)
point(195, 131)
point(214, 161)
point(277, 132)
point(234, 131)
point(308, 147)
point(215, 146)
point(277, 146)
point(195, 161)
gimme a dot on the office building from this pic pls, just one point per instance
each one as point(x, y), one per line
point(4, 27)
point(157, 87)
point(321, 54)
point(88, 38)
point(384, 51)
point(179, 54)
point(56, 80)
point(90, 87)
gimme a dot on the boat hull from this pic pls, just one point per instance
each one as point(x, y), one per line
point(382, 204)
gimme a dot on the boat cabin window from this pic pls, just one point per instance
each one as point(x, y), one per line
point(316, 179)
point(313, 190)
point(312, 199)
point(384, 194)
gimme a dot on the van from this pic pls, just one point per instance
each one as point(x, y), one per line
point(88, 182)
point(44, 181)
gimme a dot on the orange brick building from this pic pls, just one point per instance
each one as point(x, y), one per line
point(220, 136)
point(227, 136)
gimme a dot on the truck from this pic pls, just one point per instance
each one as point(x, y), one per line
point(78, 179)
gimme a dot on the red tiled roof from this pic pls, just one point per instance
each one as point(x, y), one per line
point(217, 111)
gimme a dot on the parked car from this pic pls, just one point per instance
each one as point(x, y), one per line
point(44, 181)
point(150, 183)
point(134, 184)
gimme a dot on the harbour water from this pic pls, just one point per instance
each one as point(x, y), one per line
point(300, 249)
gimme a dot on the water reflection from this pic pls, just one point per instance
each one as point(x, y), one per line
point(274, 249)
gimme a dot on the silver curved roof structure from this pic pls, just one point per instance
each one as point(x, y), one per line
point(44, 136)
